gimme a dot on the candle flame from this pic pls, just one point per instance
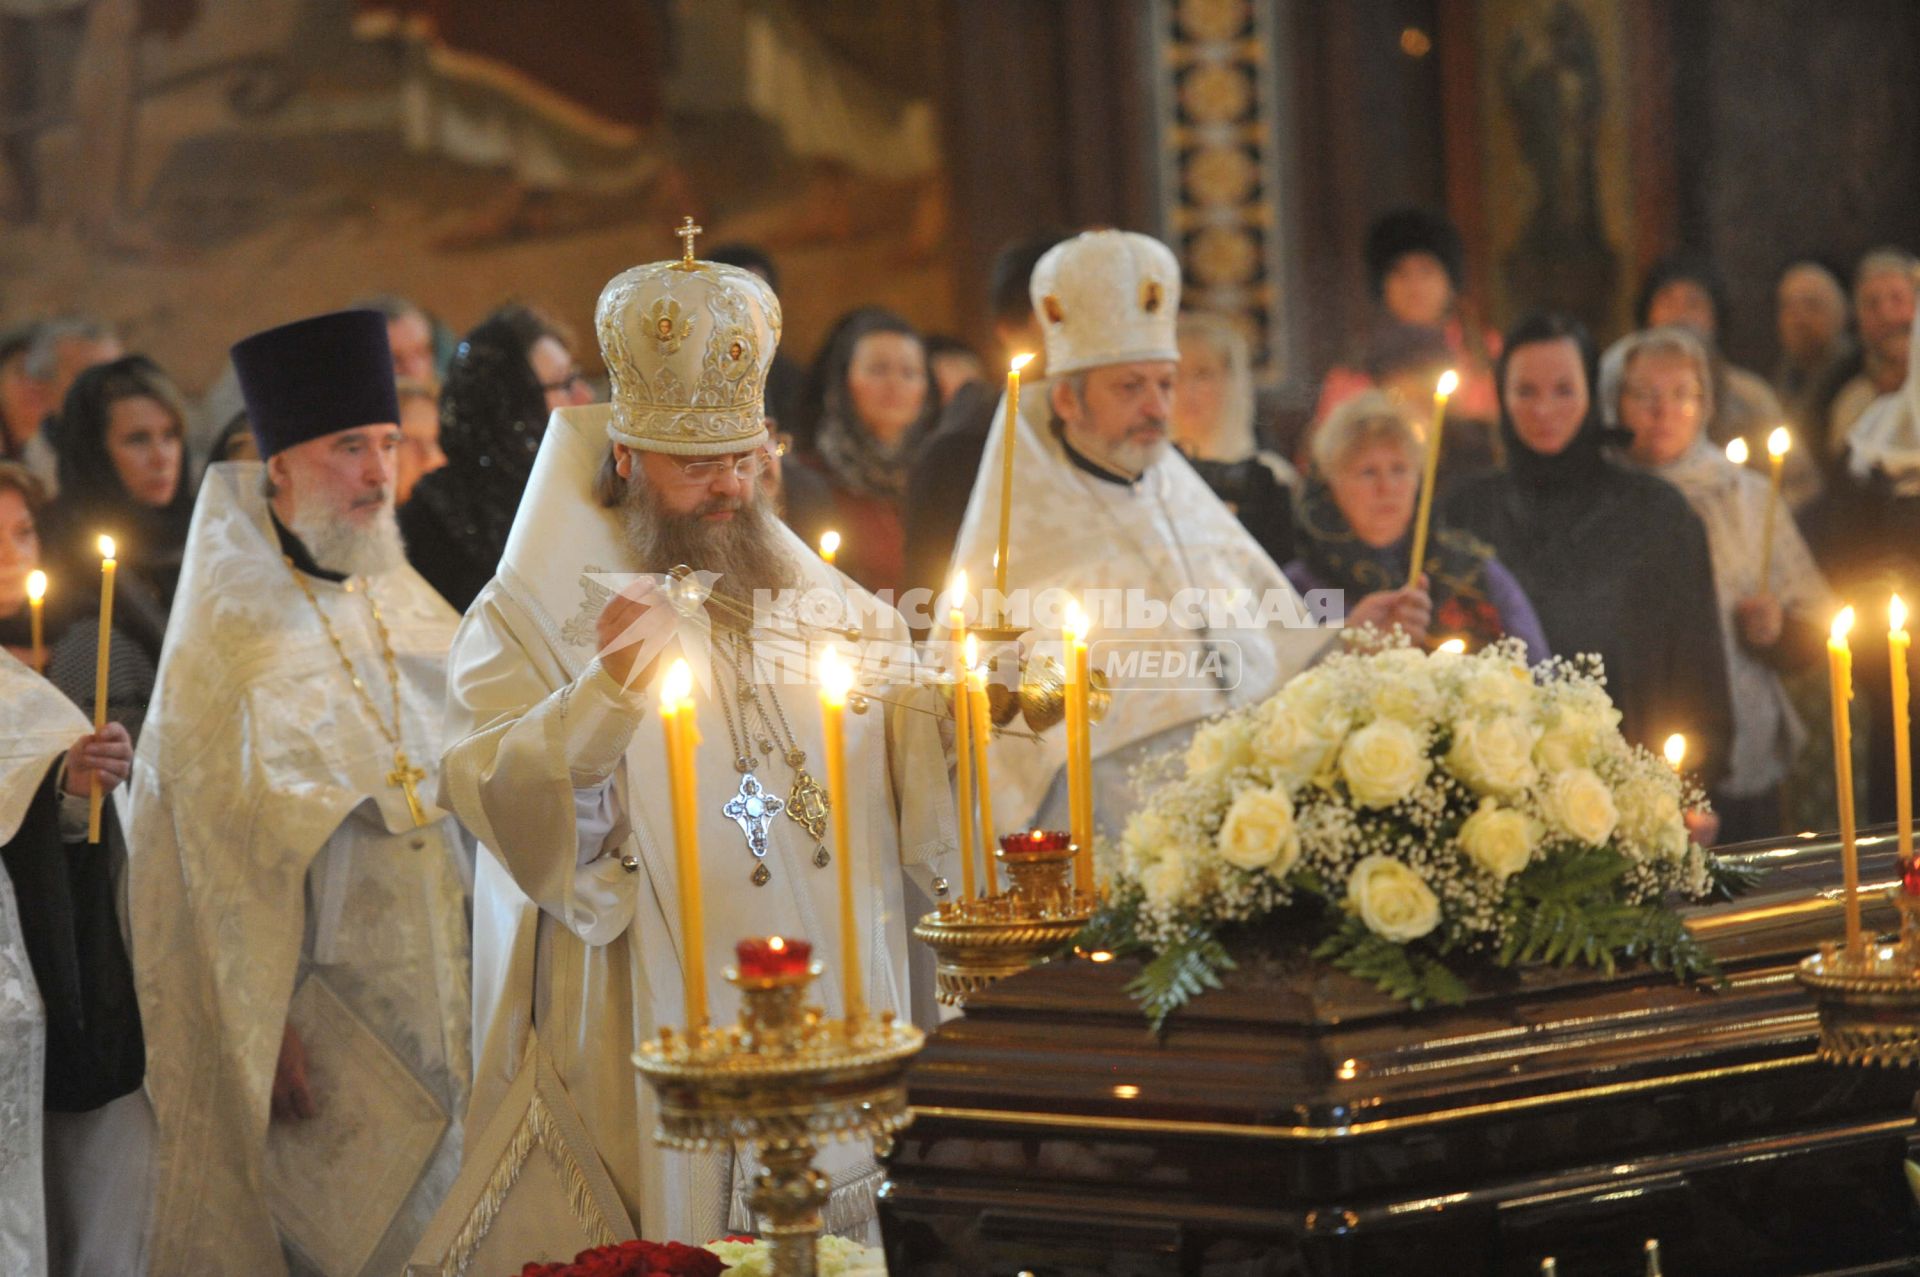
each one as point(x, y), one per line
point(677, 687)
point(1076, 626)
point(1019, 361)
point(957, 591)
point(1455, 645)
point(777, 944)
point(829, 544)
point(1779, 442)
point(970, 651)
point(1675, 750)
point(1449, 382)
point(36, 585)
point(1737, 451)
point(836, 676)
point(1896, 612)
point(1842, 625)
point(106, 547)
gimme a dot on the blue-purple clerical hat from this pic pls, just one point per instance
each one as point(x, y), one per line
point(316, 376)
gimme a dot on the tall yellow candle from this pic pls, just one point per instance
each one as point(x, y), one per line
point(829, 545)
point(1840, 678)
point(1006, 478)
point(676, 718)
point(1779, 443)
point(1898, 644)
point(103, 645)
point(836, 680)
point(1449, 382)
point(982, 715)
point(1079, 750)
point(36, 606)
point(962, 732)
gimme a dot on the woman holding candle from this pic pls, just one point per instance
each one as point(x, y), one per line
point(1614, 561)
point(1659, 385)
point(868, 406)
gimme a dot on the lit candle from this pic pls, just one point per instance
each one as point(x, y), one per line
point(1898, 643)
point(1676, 751)
point(836, 680)
point(1456, 646)
point(1006, 480)
point(1840, 677)
point(982, 716)
point(1778, 445)
point(962, 732)
point(1737, 451)
point(829, 544)
point(1449, 382)
point(36, 605)
point(1079, 748)
point(676, 717)
point(102, 646)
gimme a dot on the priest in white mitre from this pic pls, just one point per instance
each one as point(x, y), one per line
point(1106, 511)
point(556, 761)
point(298, 906)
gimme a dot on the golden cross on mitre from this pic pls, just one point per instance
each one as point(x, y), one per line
point(686, 233)
point(404, 777)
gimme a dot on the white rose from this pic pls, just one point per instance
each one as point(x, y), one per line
point(1295, 747)
point(1145, 840)
point(1405, 693)
point(1498, 688)
point(1392, 900)
point(1165, 883)
point(1259, 832)
point(1220, 747)
point(1383, 762)
point(1568, 745)
point(1493, 755)
point(1650, 816)
point(1580, 803)
point(1499, 839)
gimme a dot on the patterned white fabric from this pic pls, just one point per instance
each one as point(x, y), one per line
point(1077, 533)
point(591, 953)
point(258, 765)
point(1106, 297)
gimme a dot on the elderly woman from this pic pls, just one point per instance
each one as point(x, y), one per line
point(1659, 385)
point(1213, 426)
point(1614, 561)
point(869, 404)
point(1355, 521)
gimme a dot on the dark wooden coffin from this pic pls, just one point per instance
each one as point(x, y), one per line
point(1297, 1122)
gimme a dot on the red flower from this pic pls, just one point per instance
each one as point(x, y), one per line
point(634, 1259)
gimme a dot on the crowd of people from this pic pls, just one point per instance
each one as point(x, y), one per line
point(1586, 503)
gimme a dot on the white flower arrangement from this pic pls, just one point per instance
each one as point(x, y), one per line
point(833, 1257)
point(1416, 815)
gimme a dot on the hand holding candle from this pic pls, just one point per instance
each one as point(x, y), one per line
point(836, 680)
point(36, 606)
point(1778, 445)
point(676, 717)
point(1008, 426)
point(103, 645)
point(1449, 382)
point(1840, 677)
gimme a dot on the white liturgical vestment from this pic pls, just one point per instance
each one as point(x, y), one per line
point(561, 774)
point(37, 726)
point(277, 873)
point(1166, 539)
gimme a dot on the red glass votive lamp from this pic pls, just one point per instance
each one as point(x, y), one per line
point(1910, 877)
point(1035, 842)
point(772, 958)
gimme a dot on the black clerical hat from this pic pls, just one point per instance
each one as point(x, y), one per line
point(316, 376)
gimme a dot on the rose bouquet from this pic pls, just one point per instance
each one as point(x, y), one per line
point(1410, 817)
point(833, 1257)
point(635, 1259)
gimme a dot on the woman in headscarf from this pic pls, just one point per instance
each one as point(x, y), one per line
point(1613, 560)
point(870, 402)
point(1213, 427)
point(1355, 520)
point(508, 375)
point(1659, 385)
point(122, 466)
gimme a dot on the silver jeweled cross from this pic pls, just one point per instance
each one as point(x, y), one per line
point(753, 809)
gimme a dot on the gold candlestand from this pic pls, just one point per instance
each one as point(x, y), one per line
point(1870, 1002)
point(978, 942)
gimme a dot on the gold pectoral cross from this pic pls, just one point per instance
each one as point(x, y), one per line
point(404, 777)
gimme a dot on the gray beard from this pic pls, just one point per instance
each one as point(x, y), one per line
point(746, 552)
point(340, 546)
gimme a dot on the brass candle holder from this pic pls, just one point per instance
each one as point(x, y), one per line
point(979, 942)
point(1869, 1001)
point(784, 1079)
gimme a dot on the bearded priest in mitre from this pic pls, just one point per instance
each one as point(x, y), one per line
point(1104, 509)
point(298, 904)
point(557, 761)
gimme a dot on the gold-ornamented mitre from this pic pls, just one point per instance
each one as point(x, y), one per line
point(1106, 297)
point(687, 345)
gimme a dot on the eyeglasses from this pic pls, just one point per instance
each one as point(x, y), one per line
point(746, 468)
point(566, 384)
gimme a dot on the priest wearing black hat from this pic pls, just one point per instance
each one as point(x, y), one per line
point(297, 901)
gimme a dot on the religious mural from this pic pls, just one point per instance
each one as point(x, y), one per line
point(191, 170)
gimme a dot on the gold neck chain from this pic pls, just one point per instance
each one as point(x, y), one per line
point(404, 776)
